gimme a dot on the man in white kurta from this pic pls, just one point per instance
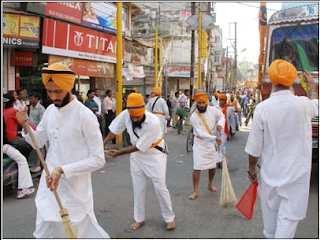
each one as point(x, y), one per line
point(158, 106)
point(281, 136)
point(148, 157)
point(75, 150)
point(205, 142)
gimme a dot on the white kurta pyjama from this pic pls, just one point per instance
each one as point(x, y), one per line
point(161, 107)
point(75, 145)
point(147, 162)
point(281, 136)
point(204, 150)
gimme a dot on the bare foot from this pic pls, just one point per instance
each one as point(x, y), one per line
point(171, 225)
point(212, 188)
point(136, 225)
point(193, 196)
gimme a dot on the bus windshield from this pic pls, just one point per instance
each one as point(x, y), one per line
point(298, 44)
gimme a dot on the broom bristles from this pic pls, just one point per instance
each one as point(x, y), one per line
point(227, 196)
point(67, 226)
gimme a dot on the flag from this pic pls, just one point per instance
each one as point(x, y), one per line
point(246, 203)
point(263, 32)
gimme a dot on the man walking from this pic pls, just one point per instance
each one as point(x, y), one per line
point(281, 137)
point(109, 114)
point(174, 105)
point(20, 104)
point(205, 121)
point(36, 109)
point(158, 106)
point(148, 157)
point(75, 150)
point(99, 114)
point(90, 103)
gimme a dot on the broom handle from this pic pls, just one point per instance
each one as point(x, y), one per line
point(35, 144)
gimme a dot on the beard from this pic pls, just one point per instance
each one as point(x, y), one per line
point(139, 123)
point(202, 110)
point(64, 101)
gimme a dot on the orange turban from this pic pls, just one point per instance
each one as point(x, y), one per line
point(157, 91)
point(223, 96)
point(201, 95)
point(60, 74)
point(135, 104)
point(282, 72)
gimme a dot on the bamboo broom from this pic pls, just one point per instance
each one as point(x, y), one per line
point(227, 196)
point(67, 226)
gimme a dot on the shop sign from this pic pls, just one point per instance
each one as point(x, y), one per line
point(101, 16)
point(20, 30)
point(22, 59)
point(135, 53)
point(179, 72)
point(69, 40)
point(85, 67)
point(136, 71)
point(69, 11)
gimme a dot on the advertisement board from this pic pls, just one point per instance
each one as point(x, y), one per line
point(101, 16)
point(180, 72)
point(85, 67)
point(20, 30)
point(69, 11)
point(22, 59)
point(64, 39)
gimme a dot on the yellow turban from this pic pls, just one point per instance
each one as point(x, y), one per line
point(157, 91)
point(135, 104)
point(201, 95)
point(216, 94)
point(60, 74)
point(222, 96)
point(282, 72)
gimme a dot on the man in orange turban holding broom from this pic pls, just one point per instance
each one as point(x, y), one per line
point(67, 124)
point(206, 121)
point(281, 136)
point(148, 157)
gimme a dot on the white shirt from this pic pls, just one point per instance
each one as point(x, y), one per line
point(98, 102)
point(160, 107)
point(183, 100)
point(281, 135)
point(78, 149)
point(149, 133)
point(204, 150)
point(36, 113)
point(20, 105)
point(113, 104)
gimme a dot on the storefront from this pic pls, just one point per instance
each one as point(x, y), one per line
point(178, 78)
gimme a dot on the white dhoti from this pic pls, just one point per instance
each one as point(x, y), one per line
point(24, 176)
point(88, 227)
point(155, 169)
point(204, 155)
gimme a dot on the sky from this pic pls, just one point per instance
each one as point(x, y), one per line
point(246, 14)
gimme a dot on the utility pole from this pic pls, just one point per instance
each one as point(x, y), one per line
point(235, 53)
point(199, 49)
point(227, 60)
point(193, 12)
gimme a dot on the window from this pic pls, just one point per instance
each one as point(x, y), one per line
point(298, 44)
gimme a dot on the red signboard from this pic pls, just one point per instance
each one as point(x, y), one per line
point(65, 39)
point(69, 11)
point(22, 59)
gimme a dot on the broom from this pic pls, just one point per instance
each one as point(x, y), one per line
point(68, 228)
point(227, 196)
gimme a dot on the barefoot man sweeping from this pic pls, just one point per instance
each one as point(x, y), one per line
point(148, 157)
point(205, 121)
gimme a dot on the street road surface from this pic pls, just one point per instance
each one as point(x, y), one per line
point(202, 218)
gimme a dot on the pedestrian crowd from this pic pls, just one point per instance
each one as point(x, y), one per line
point(280, 138)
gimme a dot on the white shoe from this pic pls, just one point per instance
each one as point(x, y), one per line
point(25, 192)
point(35, 169)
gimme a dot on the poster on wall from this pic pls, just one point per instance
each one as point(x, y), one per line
point(101, 16)
point(64, 39)
point(20, 30)
point(69, 11)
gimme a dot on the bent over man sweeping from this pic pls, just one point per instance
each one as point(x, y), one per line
point(75, 150)
point(148, 157)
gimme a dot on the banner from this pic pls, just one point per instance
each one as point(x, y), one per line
point(136, 71)
point(85, 67)
point(20, 30)
point(64, 39)
point(263, 32)
point(136, 53)
point(101, 16)
point(180, 72)
point(69, 11)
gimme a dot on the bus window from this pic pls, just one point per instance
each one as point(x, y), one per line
point(298, 44)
